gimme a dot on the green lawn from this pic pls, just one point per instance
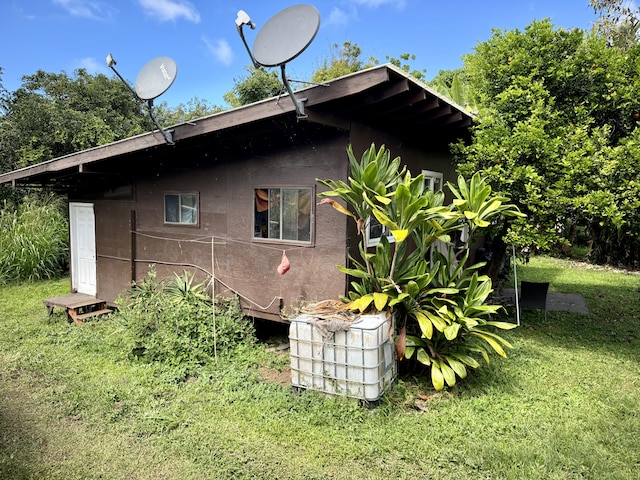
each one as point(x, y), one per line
point(565, 404)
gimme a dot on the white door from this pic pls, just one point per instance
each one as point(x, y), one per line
point(83, 247)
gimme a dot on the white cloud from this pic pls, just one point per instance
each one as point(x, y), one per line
point(95, 10)
point(166, 10)
point(338, 17)
point(220, 49)
point(91, 65)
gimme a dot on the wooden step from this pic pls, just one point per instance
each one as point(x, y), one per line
point(80, 317)
point(96, 313)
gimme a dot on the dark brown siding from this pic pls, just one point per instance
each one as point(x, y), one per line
point(113, 247)
point(226, 197)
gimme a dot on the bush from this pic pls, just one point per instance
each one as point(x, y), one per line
point(174, 322)
point(441, 304)
point(34, 241)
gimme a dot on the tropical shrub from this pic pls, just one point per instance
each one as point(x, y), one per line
point(34, 242)
point(441, 303)
point(176, 322)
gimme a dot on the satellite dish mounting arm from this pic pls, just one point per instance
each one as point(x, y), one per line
point(244, 19)
point(166, 134)
point(110, 63)
point(298, 104)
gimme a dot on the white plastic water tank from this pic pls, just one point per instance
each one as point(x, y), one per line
point(359, 362)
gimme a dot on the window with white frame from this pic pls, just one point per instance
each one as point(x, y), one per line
point(375, 231)
point(181, 208)
point(283, 214)
point(432, 180)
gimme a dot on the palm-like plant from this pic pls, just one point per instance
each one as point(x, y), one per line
point(441, 304)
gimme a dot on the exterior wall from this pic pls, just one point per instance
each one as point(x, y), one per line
point(132, 234)
point(426, 153)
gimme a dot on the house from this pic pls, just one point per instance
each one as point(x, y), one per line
point(238, 188)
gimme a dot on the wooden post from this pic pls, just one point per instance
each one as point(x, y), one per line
point(132, 222)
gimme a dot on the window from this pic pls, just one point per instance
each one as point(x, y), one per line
point(181, 208)
point(283, 214)
point(432, 180)
point(375, 231)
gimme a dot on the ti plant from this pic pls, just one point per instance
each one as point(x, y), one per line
point(441, 303)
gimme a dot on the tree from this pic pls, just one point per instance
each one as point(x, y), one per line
point(558, 109)
point(256, 86)
point(194, 108)
point(52, 115)
point(3, 95)
point(617, 22)
point(407, 57)
point(453, 84)
point(342, 61)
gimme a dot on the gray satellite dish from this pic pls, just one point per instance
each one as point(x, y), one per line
point(285, 36)
point(154, 79)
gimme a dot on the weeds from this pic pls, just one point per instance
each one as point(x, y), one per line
point(33, 240)
point(176, 323)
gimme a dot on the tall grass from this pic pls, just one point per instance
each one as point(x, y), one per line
point(34, 241)
point(564, 405)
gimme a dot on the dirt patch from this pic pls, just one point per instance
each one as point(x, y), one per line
point(280, 374)
point(274, 375)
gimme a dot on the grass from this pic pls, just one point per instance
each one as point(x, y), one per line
point(564, 405)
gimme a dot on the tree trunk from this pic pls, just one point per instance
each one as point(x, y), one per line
point(498, 254)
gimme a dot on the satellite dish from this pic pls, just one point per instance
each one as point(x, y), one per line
point(286, 35)
point(155, 78)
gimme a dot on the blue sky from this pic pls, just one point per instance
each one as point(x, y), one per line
point(201, 36)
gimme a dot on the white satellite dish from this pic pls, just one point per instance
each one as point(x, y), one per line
point(285, 36)
point(155, 78)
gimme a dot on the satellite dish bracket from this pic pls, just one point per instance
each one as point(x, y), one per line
point(243, 19)
point(298, 104)
point(323, 84)
point(168, 136)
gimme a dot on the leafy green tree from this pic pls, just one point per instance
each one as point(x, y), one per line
point(194, 108)
point(453, 84)
point(52, 115)
point(3, 95)
point(403, 63)
point(617, 22)
point(342, 60)
point(555, 105)
point(257, 85)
